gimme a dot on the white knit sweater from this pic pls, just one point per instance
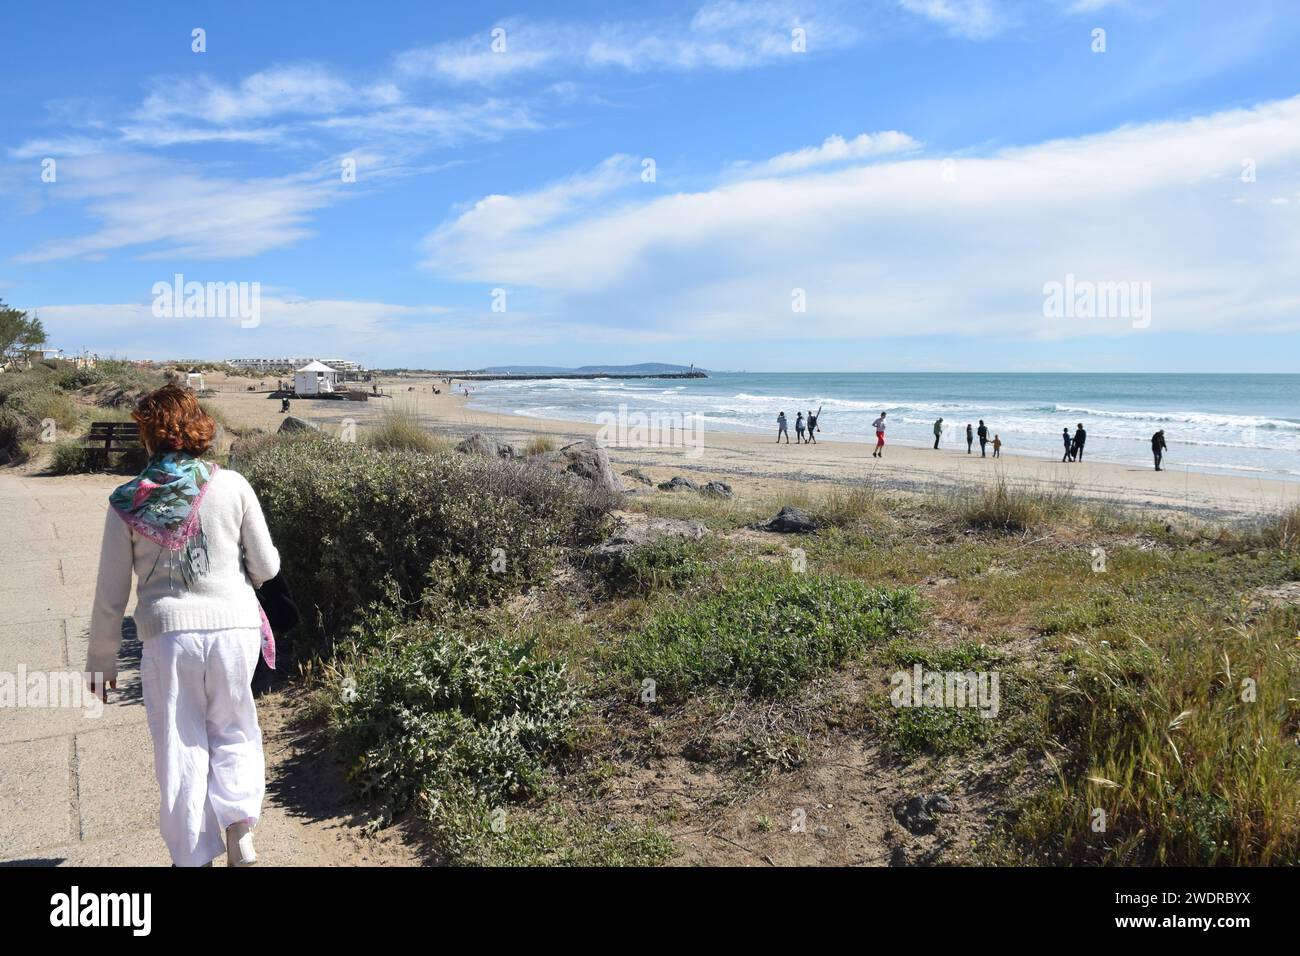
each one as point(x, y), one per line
point(222, 598)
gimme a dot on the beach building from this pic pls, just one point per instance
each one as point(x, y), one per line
point(315, 378)
point(271, 364)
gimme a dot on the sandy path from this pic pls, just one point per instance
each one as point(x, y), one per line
point(77, 789)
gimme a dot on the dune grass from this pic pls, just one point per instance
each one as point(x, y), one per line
point(540, 445)
point(399, 430)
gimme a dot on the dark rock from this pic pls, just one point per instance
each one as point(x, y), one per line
point(582, 459)
point(917, 813)
point(678, 483)
point(789, 520)
point(293, 424)
point(638, 476)
point(480, 444)
point(588, 461)
point(719, 489)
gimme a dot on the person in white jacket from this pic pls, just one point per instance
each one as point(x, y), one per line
point(196, 539)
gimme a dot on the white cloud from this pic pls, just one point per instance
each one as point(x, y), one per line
point(975, 19)
point(834, 150)
point(895, 248)
point(721, 35)
point(162, 208)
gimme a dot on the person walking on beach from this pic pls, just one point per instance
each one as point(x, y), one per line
point(938, 430)
point(1080, 436)
point(997, 447)
point(983, 433)
point(798, 429)
point(879, 426)
point(812, 425)
point(782, 428)
point(195, 536)
point(1158, 447)
point(970, 437)
point(1065, 438)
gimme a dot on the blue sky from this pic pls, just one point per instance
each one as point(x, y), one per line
point(914, 171)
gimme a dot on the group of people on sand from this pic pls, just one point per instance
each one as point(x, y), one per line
point(1073, 444)
point(982, 433)
point(805, 430)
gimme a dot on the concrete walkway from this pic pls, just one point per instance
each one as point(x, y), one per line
point(80, 790)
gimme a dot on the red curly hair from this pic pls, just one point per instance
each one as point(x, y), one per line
point(171, 419)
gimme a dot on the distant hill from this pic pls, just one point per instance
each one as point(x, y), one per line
point(645, 368)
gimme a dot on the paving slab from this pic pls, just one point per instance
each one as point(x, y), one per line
point(36, 795)
point(117, 790)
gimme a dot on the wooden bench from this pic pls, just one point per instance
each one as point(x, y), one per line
point(106, 438)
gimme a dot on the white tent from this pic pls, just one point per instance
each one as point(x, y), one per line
point(315, 378)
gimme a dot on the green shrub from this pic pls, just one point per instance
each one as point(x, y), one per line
point(11, 430)
point(539, 445)
point(355, 526)
point(764, 634)
point(71, 379)
point(69, 458)
point(451, 726)
point(669, 564)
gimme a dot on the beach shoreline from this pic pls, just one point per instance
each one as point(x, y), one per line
point(754, 467)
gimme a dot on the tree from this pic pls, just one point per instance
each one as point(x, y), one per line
point(19, 332)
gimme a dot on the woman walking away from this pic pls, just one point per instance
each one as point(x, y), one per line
point(782, 428)
point(1065, 437)
point(879, 426)
point(970, 437)
point(798, 429)
point(198, 543)
point(1158, 447)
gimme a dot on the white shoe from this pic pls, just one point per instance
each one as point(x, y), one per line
point(239, 845)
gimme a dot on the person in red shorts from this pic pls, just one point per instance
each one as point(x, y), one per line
point(879, 426)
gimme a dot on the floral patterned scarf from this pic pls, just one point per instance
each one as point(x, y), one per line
point(162, 502)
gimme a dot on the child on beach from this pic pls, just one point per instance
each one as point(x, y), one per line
point(879, 426)
point(970, 437)
point(782, 428)
point(997, 447)
point(1065, 438)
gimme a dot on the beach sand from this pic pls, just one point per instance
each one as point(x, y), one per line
point(755, 465)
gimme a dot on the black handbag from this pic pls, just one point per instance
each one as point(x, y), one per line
point(277, 603)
